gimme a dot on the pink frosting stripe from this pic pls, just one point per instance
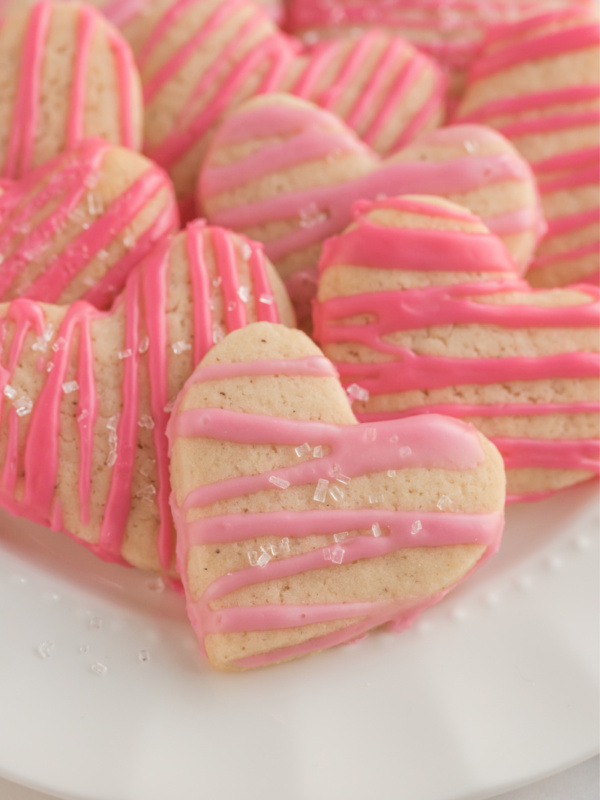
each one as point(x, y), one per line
point(550, 453)
point(265, 306)
point(545, 46)
point(403, 370)
point(235, 309)
point(534, 101)
point(422, 250)
point(126, 70)
point(120, 12)
point(344, 442)
point(203, 334)
point(312, 366)
point(351, 451)
point(119, 497)
point(25, 116)
point(87, 414)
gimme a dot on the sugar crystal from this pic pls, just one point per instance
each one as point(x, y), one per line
point(59, 344)
point(356, 392)
point(336, 493)
point(391, 473)
point(318, 452)
point(376, 528)
point(144, 345)
point(263, 559)
point(416, 527)
point(95, 623)
point(370, 434)
point(12, 393)
point(405, 452)
point(99, 669)
point(70, 387)
point(267, 299)
point(24, 406)
point(146, 421)
point(320, 494)
point(181, 347)
point(45, 649)
point(303, 450)
point(444, 502)
point(246, 251)
point(341, 537)
point(281, 483)
point(125, 353)
point(244, 294)
point(376, 498)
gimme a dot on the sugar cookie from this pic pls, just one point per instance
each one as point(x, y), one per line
point(299, 529)
point(76, 226)
point(420, 311)
point(85, 394)
point(537, 82)
point(67, 74)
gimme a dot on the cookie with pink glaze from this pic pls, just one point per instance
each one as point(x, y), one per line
point(287, 173)
point(421, 313)
point(67, 75)
point(199, 60)
point(75, 227)
point(450, 32)
point(299, 529)
point(537, 82)
point(91, 390)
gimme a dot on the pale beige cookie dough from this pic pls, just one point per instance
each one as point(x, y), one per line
point(67, 74)
point(571, 402)
point(538, 84)
point(62, 441)
point(272, 574)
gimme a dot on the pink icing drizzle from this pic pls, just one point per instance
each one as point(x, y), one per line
point(21, 155)
point(70, 176)
point(277, 56)
point(148, 288)
point(433, 441)
point(577, 168)
point(394, 311)
point(331, 206)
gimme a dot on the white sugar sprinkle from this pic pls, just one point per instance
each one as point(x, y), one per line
point(232, 305)
point(253, 558)
point(376, 498)
point(284, 547)
point(444, 502)
point(45, 649)
point(181, 347)
point(99, 669)
point(95, 623)
point(341, 537)
point(267, 299)
point(218, 334)
point(416, 527)
point(320, 494)
point(146, 493)
point(318, 452)
point(146, 421)
point(144, 345)
point(84, 415)
point(12, 393)
point(279, 482)
point(24, 406)
point(59, 344)
point(70, 386)
point(341, 478)
point(376, 528)
point(246, 251)
point(336, 493)
point(263, 559)
point(125, 353)
point(391, 473)
point(370, 434)
point(170, 406)
point(405, 452)
point(334, 554)
point(303, 450)
point(244, 294)
point(356, 392)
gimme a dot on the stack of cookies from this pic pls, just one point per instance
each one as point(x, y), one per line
point(289, 320)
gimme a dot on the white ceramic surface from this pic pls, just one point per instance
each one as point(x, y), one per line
point(496, 686)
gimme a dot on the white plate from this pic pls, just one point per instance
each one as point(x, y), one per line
point(495, 687)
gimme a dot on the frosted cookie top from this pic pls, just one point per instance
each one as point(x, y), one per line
point(67, 74)
point(307, 530)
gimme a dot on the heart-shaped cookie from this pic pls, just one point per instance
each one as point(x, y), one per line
point(76, 226)
point(537, 82)
point(67, 74)
point(420, 311)
point(450, 32)
point(85, 394)
point(299, 529)
point(198, 60)
point(287, 173)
